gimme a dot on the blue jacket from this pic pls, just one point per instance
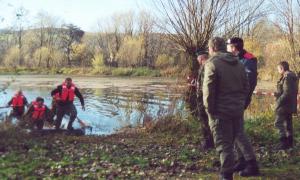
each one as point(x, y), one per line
point(250, 63)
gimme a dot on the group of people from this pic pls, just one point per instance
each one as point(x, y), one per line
point(226, 81)
point(38, 113)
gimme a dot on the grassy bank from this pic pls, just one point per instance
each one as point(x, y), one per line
point(170, 148)
point(103, 71)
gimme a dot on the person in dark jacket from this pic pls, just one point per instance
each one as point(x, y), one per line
point(286, 104)
point(225, 87)
point(208, 142)
point(18, 103)
point(37, 114)
point(246, 159)
point(236, 47)
point(67, 92)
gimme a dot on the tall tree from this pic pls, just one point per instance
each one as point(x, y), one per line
point(286, 21)
point(191, 23)
point(70, 34)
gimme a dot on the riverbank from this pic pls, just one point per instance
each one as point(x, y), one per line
point(168, 149)
point(103, 71)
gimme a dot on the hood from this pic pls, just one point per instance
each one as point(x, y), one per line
point(227, 57)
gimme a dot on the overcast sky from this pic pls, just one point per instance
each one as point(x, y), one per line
point(83, 13)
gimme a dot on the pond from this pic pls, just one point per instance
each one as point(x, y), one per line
point(111, 103)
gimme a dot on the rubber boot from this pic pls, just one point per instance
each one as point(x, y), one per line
point(290, 141)
point(283, 144)
point(240, 165)
point(251, 169)
point(226, 176)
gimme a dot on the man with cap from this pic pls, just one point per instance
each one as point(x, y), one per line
point(225, 87)
point(208, 142)
point(246, 159)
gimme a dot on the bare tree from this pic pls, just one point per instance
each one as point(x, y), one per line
point(191, 23)
point(145, 29)
point(20, 15)
point(286, 22)
point(47, 32)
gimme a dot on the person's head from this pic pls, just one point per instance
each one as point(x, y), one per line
point(282, 67)
point(216, 44)
point(235, 45)
point(68, 82)
point(202, 57)
point(40, 101)
point(19, 92)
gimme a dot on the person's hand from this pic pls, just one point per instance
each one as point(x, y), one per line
point(83, 108)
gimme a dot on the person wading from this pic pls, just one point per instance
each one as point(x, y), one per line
point(286, 104)
point(18, 103)
point(65, 102)
point(37, 114)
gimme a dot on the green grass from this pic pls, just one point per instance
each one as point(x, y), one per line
point(170, 149)
point(103, 71)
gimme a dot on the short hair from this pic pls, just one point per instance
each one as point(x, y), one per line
point(39, 99)
point(237, 42)
point(217, 43)
point(205, 55)
point(68, 79)
point(285, 65)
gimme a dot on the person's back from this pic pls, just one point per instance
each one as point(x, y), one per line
point(225, 88)
point(231, 84)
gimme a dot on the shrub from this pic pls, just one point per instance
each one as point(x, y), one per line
point(98, 61)
point(12, 57)
point(131, 52)
point(164, 61)
point(122, 71)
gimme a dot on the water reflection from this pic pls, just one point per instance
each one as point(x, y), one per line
point(108, 109)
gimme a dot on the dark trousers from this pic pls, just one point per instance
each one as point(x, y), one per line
point(206, 132)
point(67, 109)
point(38, 123)
point(284, 124)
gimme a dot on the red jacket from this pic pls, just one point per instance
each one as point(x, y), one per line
point(68, 94)
point(18, 101)
point(38, 112)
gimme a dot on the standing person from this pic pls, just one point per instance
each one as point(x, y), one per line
point(65, 102)
point(246, 159)
point(286, 104)
point(236, 47)
point(208, 142)
point(37, 114)
point(18, 103)
point(225, 87)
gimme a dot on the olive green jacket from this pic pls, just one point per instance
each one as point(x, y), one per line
point(225, 86)
point(286, 95)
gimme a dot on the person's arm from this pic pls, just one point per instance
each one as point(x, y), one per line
point(79, 95)
point(287, 89)
point(57, 90)
point(209, 88)
point(247, 91)
point(10, 102)
point(48, 115)
point(30, 110)
point(25, 102)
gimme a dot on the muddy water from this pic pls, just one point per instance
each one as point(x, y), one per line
point(111, 103)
